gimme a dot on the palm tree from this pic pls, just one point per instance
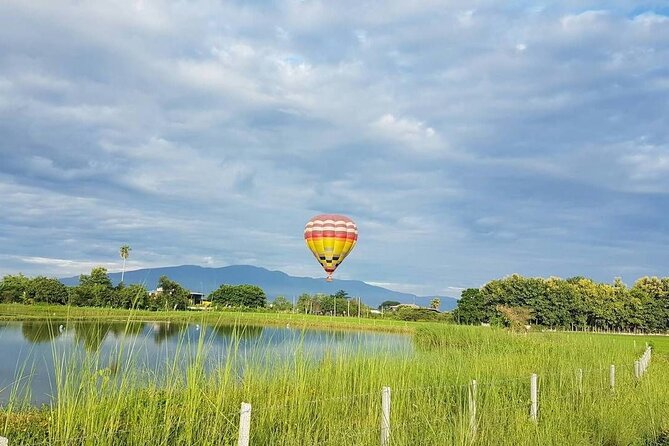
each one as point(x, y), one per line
point(125, 253)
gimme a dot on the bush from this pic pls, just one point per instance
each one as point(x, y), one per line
point(29, 427)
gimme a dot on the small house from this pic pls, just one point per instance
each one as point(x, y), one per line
point(195, 298)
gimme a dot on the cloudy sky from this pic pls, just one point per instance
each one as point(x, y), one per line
point(468, 140)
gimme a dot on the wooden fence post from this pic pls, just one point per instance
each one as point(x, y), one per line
point(579, 381)
point(244, 425)
point(473, 390)
point(637, 369)
point(4, 441)
point(612, 377)
point(385, 416)
point(534, 397)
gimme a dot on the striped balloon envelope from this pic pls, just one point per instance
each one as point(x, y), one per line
point(330, 237)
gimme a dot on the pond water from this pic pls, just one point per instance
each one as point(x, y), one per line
point(27, 349)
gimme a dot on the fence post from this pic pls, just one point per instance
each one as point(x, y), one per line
point(4, 441)
point(244, 425)
point(637, 369)
point(579, 381)
point(646, 358)
point(534, 398)
point(612, 377)
point(473, 390)
point(385, 416)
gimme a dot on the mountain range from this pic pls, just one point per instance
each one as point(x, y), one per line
point(274, 283)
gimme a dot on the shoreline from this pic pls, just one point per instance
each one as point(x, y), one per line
point(22, 312)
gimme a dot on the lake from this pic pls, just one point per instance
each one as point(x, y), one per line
point(28, 349)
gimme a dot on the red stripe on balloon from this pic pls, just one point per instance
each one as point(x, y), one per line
point(336, 236)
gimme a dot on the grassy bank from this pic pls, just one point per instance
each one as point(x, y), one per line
point(335, 400)
point(19, 312)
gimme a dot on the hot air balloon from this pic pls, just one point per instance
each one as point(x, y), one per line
point(330, 238)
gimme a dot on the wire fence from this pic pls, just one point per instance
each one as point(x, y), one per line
point(469, 403)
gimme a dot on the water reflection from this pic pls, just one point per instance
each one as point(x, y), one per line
point(156, 346)
point(37, 332)
point(91, 335)
point(166, 330)
point(119, 329)
point(247, 332)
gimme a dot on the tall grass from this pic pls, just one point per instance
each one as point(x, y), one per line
point(335, 399)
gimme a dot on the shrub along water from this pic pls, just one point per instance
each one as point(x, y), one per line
point(336, 399)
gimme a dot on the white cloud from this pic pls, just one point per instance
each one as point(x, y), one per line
point(651, 19)
point(465, 18)
point(648, 166)
point(407, 132)
point(585, 21)
point(361, 35)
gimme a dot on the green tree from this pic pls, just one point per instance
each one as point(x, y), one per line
point(173, 296)
point(341, 294)
point(14, 288)
point(576, 302)
point(435, 303)
point(307, 303)
point(282, 304)
point(95, 289)
point(98, 276)
point(50, 291)
point(388, 303)
point(124, 251)
point(357, 307)
point(239, 296)
point(132, 296)
point(331, 304)
point(472, 308)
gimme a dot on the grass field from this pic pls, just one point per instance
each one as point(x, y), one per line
point(336, 400)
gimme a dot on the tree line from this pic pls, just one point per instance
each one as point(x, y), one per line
point(97, 290)
point(574, 303)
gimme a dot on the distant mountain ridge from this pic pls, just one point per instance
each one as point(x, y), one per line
point(275, 283)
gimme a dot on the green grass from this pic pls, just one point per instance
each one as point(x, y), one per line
point(336, 400)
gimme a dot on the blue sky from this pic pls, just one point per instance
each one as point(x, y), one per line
point(468, 140)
